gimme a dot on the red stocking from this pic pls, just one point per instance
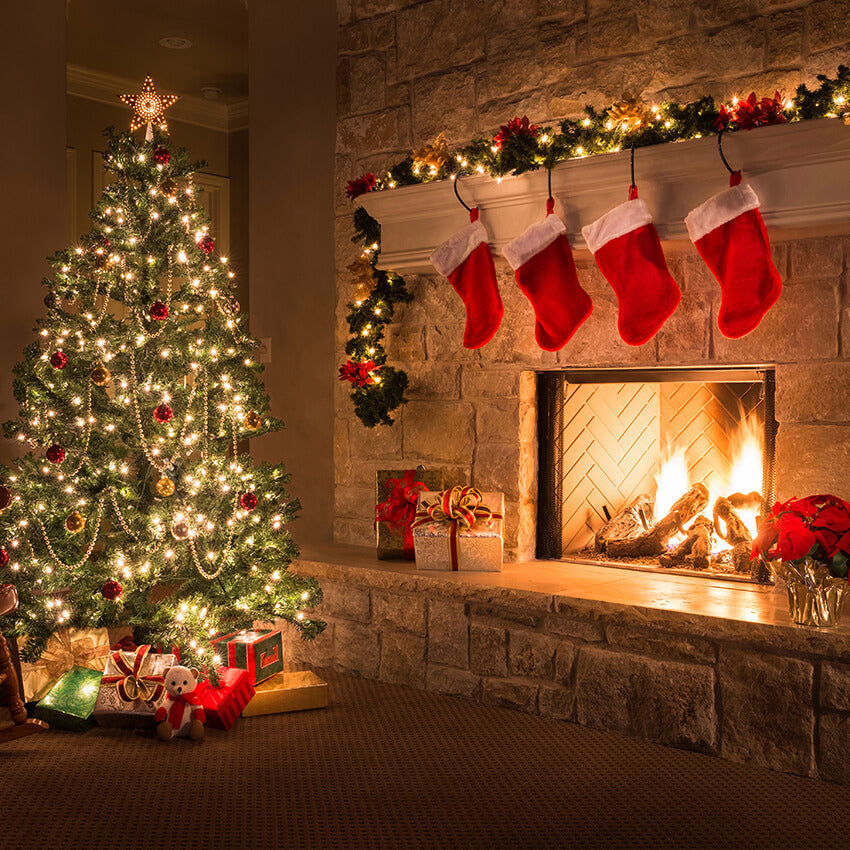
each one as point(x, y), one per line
point(626, 248)
point(729, 234)
point(466, 261)
point(545, 271)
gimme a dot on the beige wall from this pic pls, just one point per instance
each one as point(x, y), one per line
point(409, 70)
point(291, 211)
point(33, 216)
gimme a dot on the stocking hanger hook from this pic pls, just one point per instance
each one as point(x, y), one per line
point(720, 151)
point(457, 194)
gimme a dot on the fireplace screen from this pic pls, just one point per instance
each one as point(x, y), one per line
point(665, 470)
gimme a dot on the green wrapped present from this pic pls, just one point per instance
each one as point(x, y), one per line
point(70, 702)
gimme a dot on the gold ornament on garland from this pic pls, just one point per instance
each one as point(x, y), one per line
point(100, 375)
point(628, 113)
point(253, 421)
point(364, 278)
point(431, 157)
point(165, 486)
point(168, 188)
point(75, 522)
point(148, 106)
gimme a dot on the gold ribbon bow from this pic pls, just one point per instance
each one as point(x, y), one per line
point(129, 681)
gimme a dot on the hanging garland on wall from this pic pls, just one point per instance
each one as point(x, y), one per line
point(519, 147)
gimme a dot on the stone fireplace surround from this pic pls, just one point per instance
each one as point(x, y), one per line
point(682, 661)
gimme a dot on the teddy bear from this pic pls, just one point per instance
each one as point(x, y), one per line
point(182, 715)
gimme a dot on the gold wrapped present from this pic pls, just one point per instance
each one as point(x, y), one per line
point(396, 494)
point(65, 649)
point(294, 691)
point(459, 529)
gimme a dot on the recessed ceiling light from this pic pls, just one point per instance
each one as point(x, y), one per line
point(175, 42)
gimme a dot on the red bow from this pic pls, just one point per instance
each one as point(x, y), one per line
point(399, 508)
point(131, 684)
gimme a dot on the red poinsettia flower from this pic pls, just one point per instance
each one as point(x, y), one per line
point(516, 128)
point(752, 112)
point(723, 119)
point(772, 110)
point(361, 185)
point(795, 538)
point(358, 374)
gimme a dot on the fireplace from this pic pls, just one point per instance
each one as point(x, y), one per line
point(656, 469)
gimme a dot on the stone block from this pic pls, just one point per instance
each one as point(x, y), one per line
point(493, 113)
point(812, 459)
point(784, 38)
point(614, 34)
point(565, 661)
point(497, 421)
point(768, 716)
point(519, 695)
point(448, 633)
point(661, 644)
point(356, 649)
point(402, 659)
point(532, 654)
point(685, 336)
point(745, 41)
point(488, 650)
point(816, 258)
point(381, 445)
point(512, 63)
point(506, 616)
point(342, 458)
point(833, 746)
point(345, 600)
point(500, 467)
point(802, 325)
point(558, 45)
point(477, 382)
point(354, 501)
point(368, 34)
point(445, 341)
point(835, 686)
point(367, 82)
point(448, 680)
point(318, 652)
point(556, 701)
point(439, 431)
point(583, 630)
point(399, 611)
point(431, 97)
point(813, 393)
point(362, 134)
point(405, 342)
point(371, 8)
point(663, 701)
point(827, 25)
point(433, 380)
point(355, 532)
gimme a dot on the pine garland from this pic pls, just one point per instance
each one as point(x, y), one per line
point(519, 147)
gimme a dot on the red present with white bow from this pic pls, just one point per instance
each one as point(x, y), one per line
point(459, 529)
point(132, 688)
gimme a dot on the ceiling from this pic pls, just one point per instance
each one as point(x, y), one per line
point(122, 39)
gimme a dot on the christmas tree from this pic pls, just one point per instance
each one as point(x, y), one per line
point(135, 503)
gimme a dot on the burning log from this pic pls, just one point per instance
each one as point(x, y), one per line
point(737, 535)
point(695, 549)
point(747, 501)
point(654, 541)
point(628, 523)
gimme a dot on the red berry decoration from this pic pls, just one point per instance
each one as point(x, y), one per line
point(206, 244)
point(4, 557)
point(162, 156)
point(59, 360)
point(112, 590)
point(248, 501)
point(159, 311)
point(163, 414)
point(55, 454)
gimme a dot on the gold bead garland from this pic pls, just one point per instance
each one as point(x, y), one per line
point(56, 559)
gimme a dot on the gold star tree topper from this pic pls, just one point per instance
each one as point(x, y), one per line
point(149, 106)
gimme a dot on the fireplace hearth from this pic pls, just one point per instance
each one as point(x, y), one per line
point(661, 470)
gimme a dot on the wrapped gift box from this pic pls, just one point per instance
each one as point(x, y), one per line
point(459, 529)
point(70, 702)
point(224, 704)
point(64, 650)
point(293, 691)
point(133, 688)
point(396, 493)
point(260, 652)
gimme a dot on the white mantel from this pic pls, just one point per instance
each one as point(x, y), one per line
point(801, 173)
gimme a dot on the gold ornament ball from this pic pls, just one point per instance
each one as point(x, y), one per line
point(168, 188)
point(165, 486)
point(100, 375)
point(180, 530)
point(253, 421)
point(75, 522)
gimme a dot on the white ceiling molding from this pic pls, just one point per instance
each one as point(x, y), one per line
point(105, 88)
point(800, 172)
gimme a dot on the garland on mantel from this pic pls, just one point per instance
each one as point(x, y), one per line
point(518, 147)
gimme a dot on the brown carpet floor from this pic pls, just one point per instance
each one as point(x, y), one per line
point(389, 767)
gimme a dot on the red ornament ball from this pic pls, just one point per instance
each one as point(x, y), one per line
point(206, 244)
point(162, 156)
point(4, 557)
point(59, 360)
point(248, 501)
point(163, 414)
point(51, 301)
point(55, 454)
point(159, 311)
point(112, 590)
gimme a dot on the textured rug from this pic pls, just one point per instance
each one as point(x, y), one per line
point(388, 767)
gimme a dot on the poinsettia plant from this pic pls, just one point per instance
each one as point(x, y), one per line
point(817, 527)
